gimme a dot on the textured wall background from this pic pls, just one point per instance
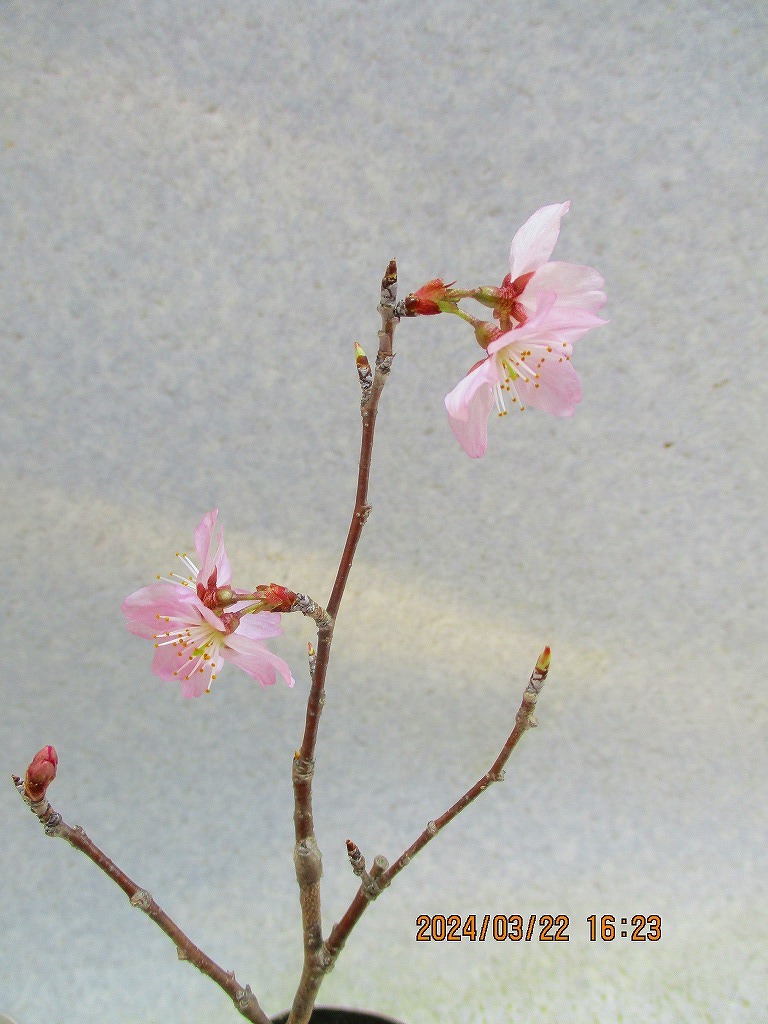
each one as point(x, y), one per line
point(198, 203)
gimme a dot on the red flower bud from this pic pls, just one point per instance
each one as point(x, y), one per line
point(41, 773)
point(275, 598)
point(425, 301)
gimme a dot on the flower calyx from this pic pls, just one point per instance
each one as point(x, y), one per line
point(504, 301)
point(486, 332)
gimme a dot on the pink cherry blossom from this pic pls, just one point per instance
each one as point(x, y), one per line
point(531, 275)
point(531, 362)
point(543, 308)
point(185, 616)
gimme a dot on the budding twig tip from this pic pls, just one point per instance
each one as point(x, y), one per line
point(542, 665)
point(390, 274)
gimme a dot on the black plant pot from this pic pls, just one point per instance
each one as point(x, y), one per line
point(334, 1015)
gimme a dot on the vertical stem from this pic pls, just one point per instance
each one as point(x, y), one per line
point(307, 857)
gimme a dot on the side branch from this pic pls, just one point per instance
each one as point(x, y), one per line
point(524, 720)
point(54, 825)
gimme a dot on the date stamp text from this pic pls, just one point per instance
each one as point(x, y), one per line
point(534, 927)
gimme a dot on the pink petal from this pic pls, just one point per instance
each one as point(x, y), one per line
point(551, 323)
point(260, 626)
point(195, 685)
point(533, 244)
point(170, 600)
point(255, 659)
point(207, 561)
point(469, 406)
point(170, 659)
point(210, 617)
point(203, 538)
point(558, 391)
point(573, 284)
point(561, 325)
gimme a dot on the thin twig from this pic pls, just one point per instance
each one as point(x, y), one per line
point(307, 856)
point(524, 720)
point(54, 825)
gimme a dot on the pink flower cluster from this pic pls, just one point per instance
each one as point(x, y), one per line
point(192, 631)
point(543, 308)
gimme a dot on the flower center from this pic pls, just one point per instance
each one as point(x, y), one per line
point(196, 646)
point(514, 367)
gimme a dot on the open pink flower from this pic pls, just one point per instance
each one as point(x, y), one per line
point(531, 274)
point(192, 631)
point(543, 308)
point(531, 362)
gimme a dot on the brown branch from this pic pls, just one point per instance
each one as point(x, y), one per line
point(524, 720)
point(54, 825)
point(307, 857)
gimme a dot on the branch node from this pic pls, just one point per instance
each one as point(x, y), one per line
point(325, 959)
point(308, 862)
point(243, 996)
point(431, 828)
point(384, 364)
point(181, 954)
point(380, 864)
point(313, 610)
point(400, 309)
point(374, 885)
point(53, 824)
point(141, 899)
point(303, 769)
point(369, 887)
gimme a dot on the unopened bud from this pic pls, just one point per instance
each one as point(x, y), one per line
point(275, 598)
point(356, 859)
point(361, 358)
point(363, 370)
point(542, 665)
point(429, 300)
point(41, 773)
